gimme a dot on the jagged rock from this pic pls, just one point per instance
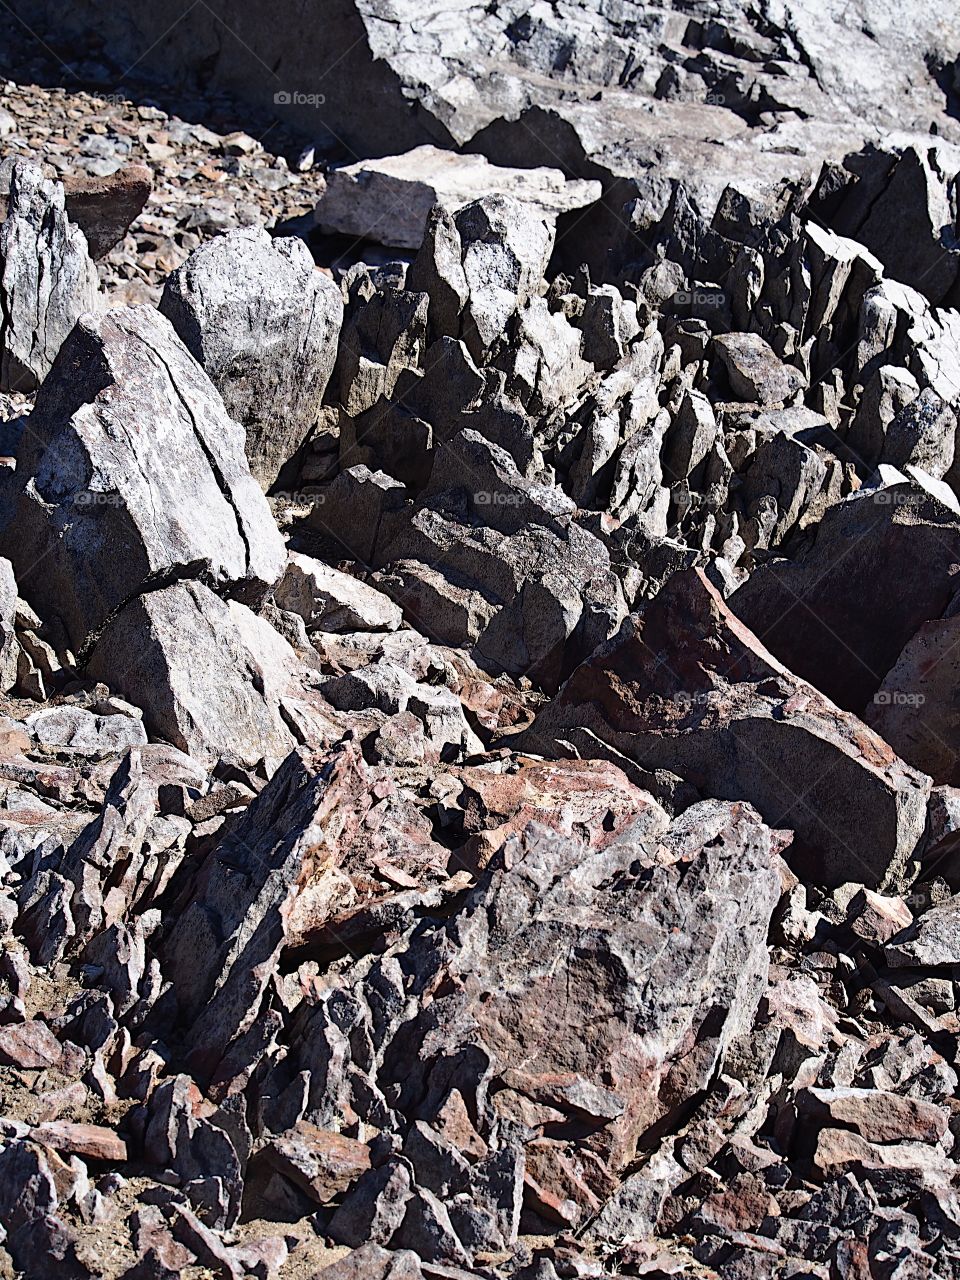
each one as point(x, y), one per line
point(932, 940)
point(686, 687)
point(266, 884)
point(108, 510)
point(390, 199)
point(104, 208)
point(47, 280)
point(328, 600)
point(754, 371)
point(264, 324)
point(92, 1141)
point(875, 1115)
point(320, 1163)
point(840, 615)
point(505, 247)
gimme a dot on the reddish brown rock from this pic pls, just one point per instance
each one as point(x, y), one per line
point(321, 1163)
point(685, 686)
point(590, 798)
point(105, 208)
point(93, 1141)
point(876, 1115)
point(31, 1045)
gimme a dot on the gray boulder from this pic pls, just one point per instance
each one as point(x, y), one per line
point(133, 476)
point(264, 323)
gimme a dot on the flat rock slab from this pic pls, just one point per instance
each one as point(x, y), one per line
point(389, 200)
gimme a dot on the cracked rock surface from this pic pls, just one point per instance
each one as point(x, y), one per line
point(478, 643)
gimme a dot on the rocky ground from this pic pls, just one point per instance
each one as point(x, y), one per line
point(479, 785)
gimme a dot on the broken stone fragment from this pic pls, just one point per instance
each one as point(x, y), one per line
point(321, 1163)
point(230, 692)
point(104, 208)
point(329, 600)
point(755, 372)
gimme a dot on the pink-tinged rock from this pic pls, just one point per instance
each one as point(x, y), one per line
point(320, 1162)
point(841, 1149)
point(685, 686)
point(93, 1141)
point(31, 1045)
point(876, 1115)
point(875, 918)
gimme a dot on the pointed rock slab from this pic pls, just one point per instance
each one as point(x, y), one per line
point(603, 987)
point(104, 208)
point(133, 476)
point(272, 877)
point(685, 686)
point(840, 616)
point(211, 677)
point(264, 323)
point(47, 280)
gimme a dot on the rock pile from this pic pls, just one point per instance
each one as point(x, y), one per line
point(478, 752)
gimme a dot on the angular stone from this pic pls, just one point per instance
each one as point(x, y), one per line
point(219, 696)
point(329, 600)
point(92, 1141)
point(390, 199)
point(754, 371)
point(47, 280)
point(685, 686)
point(264, 324)
point(105, 208)
point(133, 477)
point(875, 1114)
point(321, 1163)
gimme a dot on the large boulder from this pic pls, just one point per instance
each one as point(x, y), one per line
point(133, 476)
point(264, 323)
point(572, 1006)
point(47, 279)
point(685, 686)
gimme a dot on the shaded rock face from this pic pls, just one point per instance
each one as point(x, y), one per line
point(522, 89)
point(128, 442)
point(264, 325)
point(686, 687)
point(840, 615)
